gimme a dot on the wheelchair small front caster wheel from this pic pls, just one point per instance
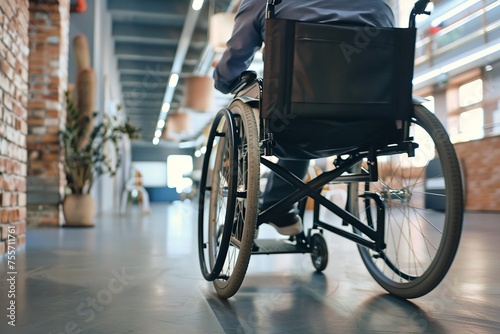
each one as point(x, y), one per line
point(319, 252)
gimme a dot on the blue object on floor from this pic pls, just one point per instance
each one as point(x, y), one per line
point(162, 194)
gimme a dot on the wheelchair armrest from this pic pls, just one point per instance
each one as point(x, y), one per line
point(245, 78)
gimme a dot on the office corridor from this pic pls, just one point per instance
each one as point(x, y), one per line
point(140, 274)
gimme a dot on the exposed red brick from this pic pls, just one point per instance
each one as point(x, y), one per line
point(4, 231)
point(14, 17)
point(49, 21)
point(482, 184)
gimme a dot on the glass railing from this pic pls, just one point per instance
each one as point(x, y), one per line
point(472, 22)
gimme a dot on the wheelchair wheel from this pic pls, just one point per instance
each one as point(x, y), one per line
point(424, 212)
point(319, 252)
point(229, 183)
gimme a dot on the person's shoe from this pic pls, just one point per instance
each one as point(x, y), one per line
point(287, 224)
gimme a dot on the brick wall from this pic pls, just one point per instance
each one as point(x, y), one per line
point(480, 160)
point(14, 17)
point(48, 76)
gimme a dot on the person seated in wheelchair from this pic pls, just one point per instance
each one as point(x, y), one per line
point(248, 37)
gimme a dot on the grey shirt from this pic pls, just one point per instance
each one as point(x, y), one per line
point(248, 32)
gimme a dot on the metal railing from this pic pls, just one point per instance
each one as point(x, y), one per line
point(478, 23)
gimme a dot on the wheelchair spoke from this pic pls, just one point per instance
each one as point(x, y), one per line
point(230, 176)
point(422, 226)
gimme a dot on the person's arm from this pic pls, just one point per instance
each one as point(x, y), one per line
point(245, 41)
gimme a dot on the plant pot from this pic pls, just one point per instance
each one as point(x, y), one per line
point(79, 210)
point(177, 126)
point(178, 122)
point(198, 93)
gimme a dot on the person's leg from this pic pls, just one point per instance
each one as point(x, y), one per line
point(287, 222)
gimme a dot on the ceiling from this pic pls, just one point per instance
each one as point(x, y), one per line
point(153, 39)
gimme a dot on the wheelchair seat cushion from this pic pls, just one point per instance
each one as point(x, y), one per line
point(317, 138)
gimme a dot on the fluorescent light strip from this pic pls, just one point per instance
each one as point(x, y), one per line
point(180, 55)
point(449, 14)
point(457, 64)
point(468, 59)
point(165, 107)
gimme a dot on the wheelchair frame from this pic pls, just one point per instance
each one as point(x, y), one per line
point(370, 235)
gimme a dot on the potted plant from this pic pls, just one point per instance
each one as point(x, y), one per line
point(86, 157)
point(85, 143)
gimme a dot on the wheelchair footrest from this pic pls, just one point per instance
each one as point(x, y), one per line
point(279, 246)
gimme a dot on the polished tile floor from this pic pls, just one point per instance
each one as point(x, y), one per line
point(140, 274)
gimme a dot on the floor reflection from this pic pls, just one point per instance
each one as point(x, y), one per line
point(385, 311)
point(61, 268)
point(268, 304)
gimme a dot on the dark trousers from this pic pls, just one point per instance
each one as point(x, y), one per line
point(277, 188)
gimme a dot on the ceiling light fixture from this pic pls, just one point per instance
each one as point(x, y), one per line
point(156, 140)
point(174, 79)
point(180, 55)
point(197, 4)
point(165, 107)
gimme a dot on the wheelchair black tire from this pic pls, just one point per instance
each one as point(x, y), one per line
point(246, 188)
point(319, 252)
point(230, 241)
point(216, 180)
point(393, 271)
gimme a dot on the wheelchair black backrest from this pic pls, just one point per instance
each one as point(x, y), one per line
point(319, 70)
point(339, 73)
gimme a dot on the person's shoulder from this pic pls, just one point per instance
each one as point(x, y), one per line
point(252, 5)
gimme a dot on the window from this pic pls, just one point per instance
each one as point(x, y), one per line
point(154, 174)
point(469, 125)
point(470, 93)
point(178, 166)
point(466, 122)
point(495, 128)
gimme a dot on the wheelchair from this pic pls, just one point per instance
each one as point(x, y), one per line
point(343, 92)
